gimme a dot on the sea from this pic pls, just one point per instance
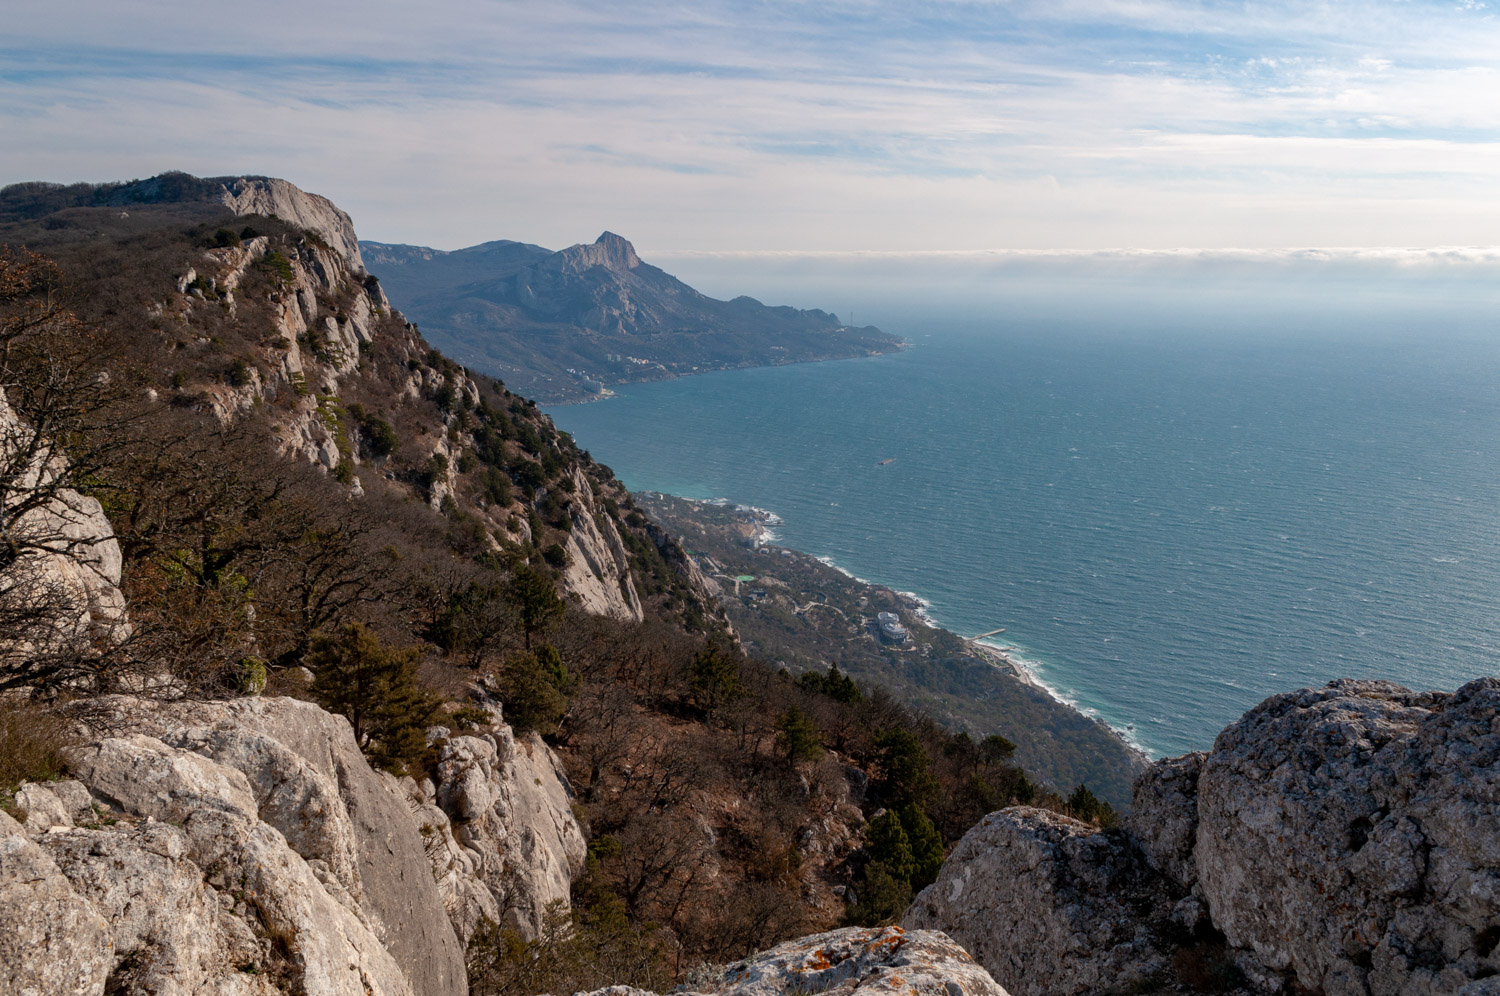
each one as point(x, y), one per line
point(1177, 493)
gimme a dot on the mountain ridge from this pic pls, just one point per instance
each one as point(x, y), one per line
point(564, 325)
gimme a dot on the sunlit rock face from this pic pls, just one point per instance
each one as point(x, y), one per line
point(882, 962)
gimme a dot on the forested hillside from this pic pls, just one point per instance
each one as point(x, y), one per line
point(310, 501)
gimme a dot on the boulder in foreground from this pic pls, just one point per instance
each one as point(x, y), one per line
point(879, 962)
point(1343, 839)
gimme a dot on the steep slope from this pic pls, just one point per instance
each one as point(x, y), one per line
point(245, 299)
point(564, 325)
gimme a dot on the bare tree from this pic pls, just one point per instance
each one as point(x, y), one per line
point(63, 419)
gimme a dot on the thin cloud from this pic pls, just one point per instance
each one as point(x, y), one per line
point(848, 124)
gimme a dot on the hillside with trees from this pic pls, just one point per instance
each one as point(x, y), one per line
point(310, 501)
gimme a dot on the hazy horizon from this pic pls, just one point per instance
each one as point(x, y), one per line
point(850, 125)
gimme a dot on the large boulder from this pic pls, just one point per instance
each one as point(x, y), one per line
point(1048, 904)
point(1350, 835)
point(881, 962)
point(1163, 817)
point(52, 941)
point(276, 791)
point(1345, 839)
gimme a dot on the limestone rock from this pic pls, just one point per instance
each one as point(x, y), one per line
point(1349, 835)
point(598, 573)
point(1346, 839)
point(889, 960)
point(171, 935)
point(44, 810)
point(145, 777)
point(275, 791)
point(269, 196)
point(1163, 817)
point(52, 942)
point(509, 818)
point(1047, 904)
point(329, 948)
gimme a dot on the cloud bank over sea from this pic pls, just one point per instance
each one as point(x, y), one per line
point(1114, 286)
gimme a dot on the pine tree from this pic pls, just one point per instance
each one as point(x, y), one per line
point(376, 689)
point(926, 846)
point(798, 736)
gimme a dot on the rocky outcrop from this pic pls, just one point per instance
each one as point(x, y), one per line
point(1343, 839)
point(884, 961)
point(225, 847)
point(268, 196)
point(52, 941)
point(236, 846)
point(500, 829)
point(598, 572)
point(1348, 835)
point(1048, 904)
point(1163, 817)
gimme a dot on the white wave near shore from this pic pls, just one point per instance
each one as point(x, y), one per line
point(1030, 671)
point(1002, 655)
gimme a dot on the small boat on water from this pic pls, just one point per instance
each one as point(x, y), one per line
point(886, 461)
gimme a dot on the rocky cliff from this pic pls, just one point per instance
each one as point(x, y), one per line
point(252, 302)
point(1340, 839)
point(246, 846)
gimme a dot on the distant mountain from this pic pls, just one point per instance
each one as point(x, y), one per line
point(563, 326)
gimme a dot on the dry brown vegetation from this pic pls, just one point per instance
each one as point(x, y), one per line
point(723, 798)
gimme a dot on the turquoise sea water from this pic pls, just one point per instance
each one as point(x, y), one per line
point(1175, 508)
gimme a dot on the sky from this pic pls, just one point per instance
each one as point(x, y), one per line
point(800, 127)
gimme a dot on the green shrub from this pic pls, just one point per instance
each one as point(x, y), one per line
point(879, 897)
point(1084, 805)
point(250, 676)
point(277, 266)
point(835, 684)
point(239, 373)
point(375, 688)
point(715, 677)
point(381, 437)
point(535, 687)
point(797, 736)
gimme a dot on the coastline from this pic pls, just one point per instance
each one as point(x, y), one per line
point(1004, 661)
point(584, 398)
point(943, 671)
point(995, 656)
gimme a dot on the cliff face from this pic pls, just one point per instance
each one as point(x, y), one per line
point(272, 319)
point(247, 847)
point(1342, 838)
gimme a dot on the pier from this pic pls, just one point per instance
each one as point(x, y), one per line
point(993, 632)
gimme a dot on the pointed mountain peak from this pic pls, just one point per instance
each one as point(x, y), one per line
point(609, 250)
